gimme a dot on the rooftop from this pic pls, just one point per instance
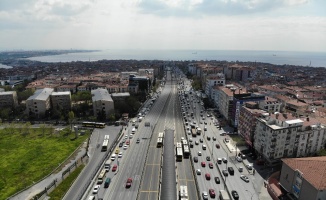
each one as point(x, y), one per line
point(41, 94)
point(101, 94)
point(313, 169)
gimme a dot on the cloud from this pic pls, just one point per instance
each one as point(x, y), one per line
point(213, 7)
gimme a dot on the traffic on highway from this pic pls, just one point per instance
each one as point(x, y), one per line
point(133, 167)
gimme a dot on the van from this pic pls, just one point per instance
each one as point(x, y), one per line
point(107, 182)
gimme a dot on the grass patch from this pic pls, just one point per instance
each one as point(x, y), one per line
point(29, 155)
point(64, 186)
point(238, 140)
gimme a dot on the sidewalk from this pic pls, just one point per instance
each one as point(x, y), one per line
point(40, 186)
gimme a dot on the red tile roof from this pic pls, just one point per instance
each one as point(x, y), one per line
point(313, 169)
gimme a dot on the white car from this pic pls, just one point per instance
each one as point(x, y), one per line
point(238, 158)
point(205, 195)
point(249, 166)
point(96, 189)
point(245, 178)
point(198, 172)
point(199, 153)
point(120, 155)
point(125, 147)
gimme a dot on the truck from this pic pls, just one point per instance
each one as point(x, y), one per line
point(224, 195)
point(193, 132)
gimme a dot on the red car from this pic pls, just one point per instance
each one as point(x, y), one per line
point(203, 164)
point(129, 182)
point(217, 146)
point(127, 142)
point(212, 193)
point(210, 165)
point(114, 168)
point(208, 176)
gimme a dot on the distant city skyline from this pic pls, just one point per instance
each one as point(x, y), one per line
point(280, 25)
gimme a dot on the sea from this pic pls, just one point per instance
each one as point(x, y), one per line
point(313, 59)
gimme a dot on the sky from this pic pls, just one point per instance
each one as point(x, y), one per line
point(278, 25)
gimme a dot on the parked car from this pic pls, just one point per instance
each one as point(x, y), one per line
point(238, 158)
point(214, 138)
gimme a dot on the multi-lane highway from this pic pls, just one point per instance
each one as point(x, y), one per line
point(142, 160)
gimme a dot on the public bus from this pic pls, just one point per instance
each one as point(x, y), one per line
point(159, 142)
point(105, 145)
point(101, 176)
point(183, 192)
point(161, 135)
point(179, 154)
point(179, 145)
point(93, 124)
point(186, 151)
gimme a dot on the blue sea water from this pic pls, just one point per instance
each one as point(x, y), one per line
point(314, 59)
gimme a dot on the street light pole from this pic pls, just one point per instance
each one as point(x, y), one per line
point(252, 194)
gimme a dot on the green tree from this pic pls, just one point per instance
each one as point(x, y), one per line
point(322, 152)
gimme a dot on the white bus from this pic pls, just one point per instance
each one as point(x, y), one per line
point(106, 137)
point(186, 151)
point(161, 135)
point(179, 145)
point(179, 154)
point(105, 145)
point(183, 192)
point(101, 176)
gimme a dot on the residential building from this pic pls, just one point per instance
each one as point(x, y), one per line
point(67, 88)
point(102, 102)
point(8, 99)
point(61, 100)
point(270, 105)
point(213, 80)
point(39, 102)
point(304, 178)
point(120, 96)
point(284, 135)
point(249, 113)
point(239, 99)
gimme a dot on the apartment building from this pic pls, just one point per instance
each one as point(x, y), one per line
point(239, 98)
point(8, 99)
point(213, 80)
point(39, 102)
point(102, 102)
point(270, 105)
point(61, 100)
point(304, 178)
point(284, 135)
point(249, 113)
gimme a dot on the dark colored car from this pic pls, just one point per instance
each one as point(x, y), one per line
point(208, 158)
point(195, 159)
point(129, 182)
point(201, 140)
point(225, 172)
point(235, 194)
point(217, 180)
point(120, 144)
point(218, 146)
point(212, 193)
